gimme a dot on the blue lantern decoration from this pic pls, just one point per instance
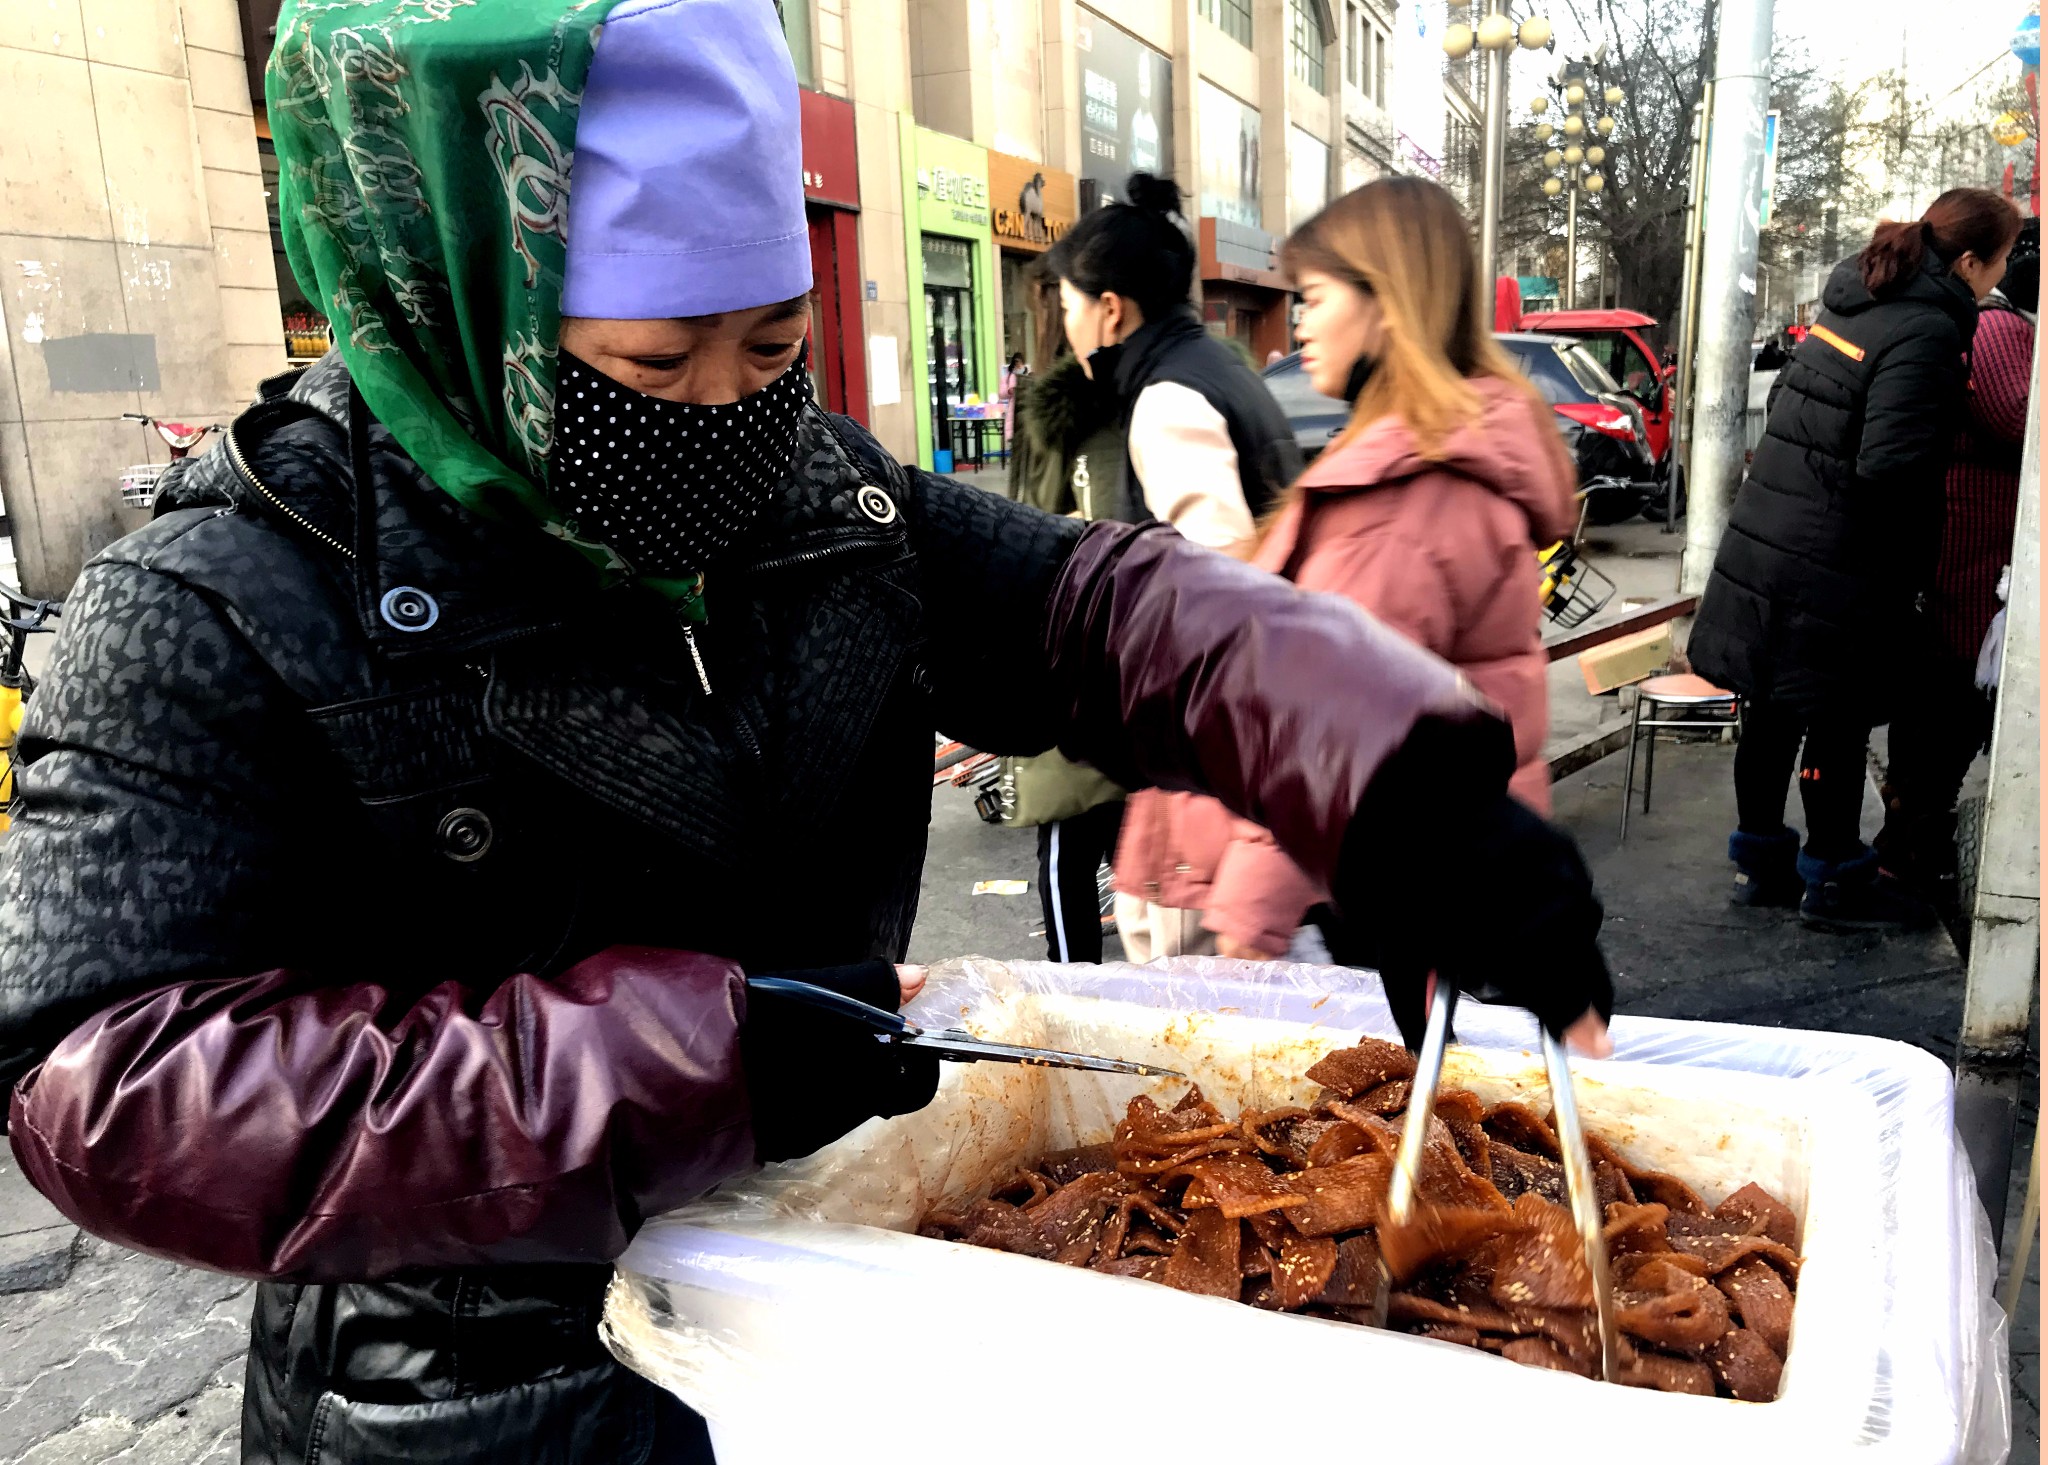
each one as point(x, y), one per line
point(2026, 40)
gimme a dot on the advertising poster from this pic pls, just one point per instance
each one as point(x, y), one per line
point(1308, 177)
point(1126, 106)
point(1229, 138)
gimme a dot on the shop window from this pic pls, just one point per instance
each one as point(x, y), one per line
point(304, 327)
point(1365, 54)
point(1232, 17)
point(796, 28)
point(1305, 43)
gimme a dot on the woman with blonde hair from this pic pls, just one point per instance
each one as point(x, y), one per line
point(1426, 510)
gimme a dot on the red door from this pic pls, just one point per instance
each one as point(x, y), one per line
point(838, 367)
point(1657, 414)
point(828, 370)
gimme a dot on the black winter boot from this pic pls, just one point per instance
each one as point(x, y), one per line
point(1919, 850)
point(1857, 895)
point(1766, 869)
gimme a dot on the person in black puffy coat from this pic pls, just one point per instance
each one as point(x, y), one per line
point(1811, 612)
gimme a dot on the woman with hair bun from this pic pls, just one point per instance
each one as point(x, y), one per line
point(1188, 436)
point(1811, 611)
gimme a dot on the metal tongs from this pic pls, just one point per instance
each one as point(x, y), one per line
point(955, 1045)
point(1571, 1139)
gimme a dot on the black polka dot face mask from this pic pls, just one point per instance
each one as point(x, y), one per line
point(672, 487)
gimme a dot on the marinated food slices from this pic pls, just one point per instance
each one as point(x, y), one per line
point(1283, 1209)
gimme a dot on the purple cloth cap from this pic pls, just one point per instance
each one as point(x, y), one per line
point(686, 195)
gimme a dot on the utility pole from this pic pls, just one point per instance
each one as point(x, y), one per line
point(1688, 313)
point(1493, 135)
point(1727, 294)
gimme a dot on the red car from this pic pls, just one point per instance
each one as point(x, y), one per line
point(1624, 342)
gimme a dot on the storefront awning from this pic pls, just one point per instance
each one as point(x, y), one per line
point(1238, 254)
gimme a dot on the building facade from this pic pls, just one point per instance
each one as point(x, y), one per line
point(1367, 40)
point(1238, 101)
point(135, 276)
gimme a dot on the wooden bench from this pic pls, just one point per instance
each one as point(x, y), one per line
point(1637, 618)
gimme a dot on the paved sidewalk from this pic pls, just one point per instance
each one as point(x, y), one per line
point(130, 1359)
point(1679, 950)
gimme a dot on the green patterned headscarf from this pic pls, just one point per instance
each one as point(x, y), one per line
point(423, 154)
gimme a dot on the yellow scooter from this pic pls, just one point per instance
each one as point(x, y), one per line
point(1573, 590)
point(22, 618)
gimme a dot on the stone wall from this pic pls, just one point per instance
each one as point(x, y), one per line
point(135, 271)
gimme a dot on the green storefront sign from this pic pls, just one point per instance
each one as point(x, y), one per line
point(950, 247)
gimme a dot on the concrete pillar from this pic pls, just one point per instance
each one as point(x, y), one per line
point(1061, 77)
point(1727, 297)
point(134, 257)
point(2005, 928)
point(829, 47)
point(879, 85)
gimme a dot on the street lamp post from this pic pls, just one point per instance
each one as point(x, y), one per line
point(1571, 248)
point(1497, 35)
point(1577, 149)
point(1490, 30)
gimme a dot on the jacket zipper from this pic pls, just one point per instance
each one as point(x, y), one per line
point(746, 731)
point(733, 714)
point(696, 657)
point(799, 560)
point(809, 557)
point(249, 477)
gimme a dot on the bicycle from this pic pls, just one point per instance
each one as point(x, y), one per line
point(1573, 590)
point(20, 618)
point(139, 482)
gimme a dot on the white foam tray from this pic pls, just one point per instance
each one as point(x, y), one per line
point(793, 1310)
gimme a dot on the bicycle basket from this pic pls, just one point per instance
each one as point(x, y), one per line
point(139, 484)
point(1573, 591)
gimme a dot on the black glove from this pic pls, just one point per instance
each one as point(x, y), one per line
point(813, 1075)
point(1442, 871)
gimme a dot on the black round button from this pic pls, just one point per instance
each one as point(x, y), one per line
point(465, 835)
point(876, 505)
point(408, 609)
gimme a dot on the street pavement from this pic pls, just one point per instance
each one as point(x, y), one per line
point(131, 1359)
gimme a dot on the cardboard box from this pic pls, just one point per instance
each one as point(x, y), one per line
point(1626, 659)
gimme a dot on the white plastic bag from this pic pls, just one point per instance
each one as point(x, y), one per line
point(792, 1309)
point(1991, 655)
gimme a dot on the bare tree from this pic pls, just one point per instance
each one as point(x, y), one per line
point(1850, 155)
point(1659, 52)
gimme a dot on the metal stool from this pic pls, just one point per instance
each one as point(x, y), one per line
point(1682, 691)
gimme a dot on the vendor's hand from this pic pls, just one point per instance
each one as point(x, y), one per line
point(1588, 1037)
point(910, 980)
point(1440, 874)
point(812, 1074)
point(1235, 950)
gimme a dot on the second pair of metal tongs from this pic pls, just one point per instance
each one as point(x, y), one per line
point(1571, 1139)
point(954, 1045)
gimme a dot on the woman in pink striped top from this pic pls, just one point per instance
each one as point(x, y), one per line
point(1944, 726)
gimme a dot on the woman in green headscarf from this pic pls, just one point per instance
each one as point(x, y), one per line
point(379, 918)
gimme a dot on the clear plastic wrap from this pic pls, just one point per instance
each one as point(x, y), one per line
point(792, 1309)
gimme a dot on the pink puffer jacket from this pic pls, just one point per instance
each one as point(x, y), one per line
point(1441, 549)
